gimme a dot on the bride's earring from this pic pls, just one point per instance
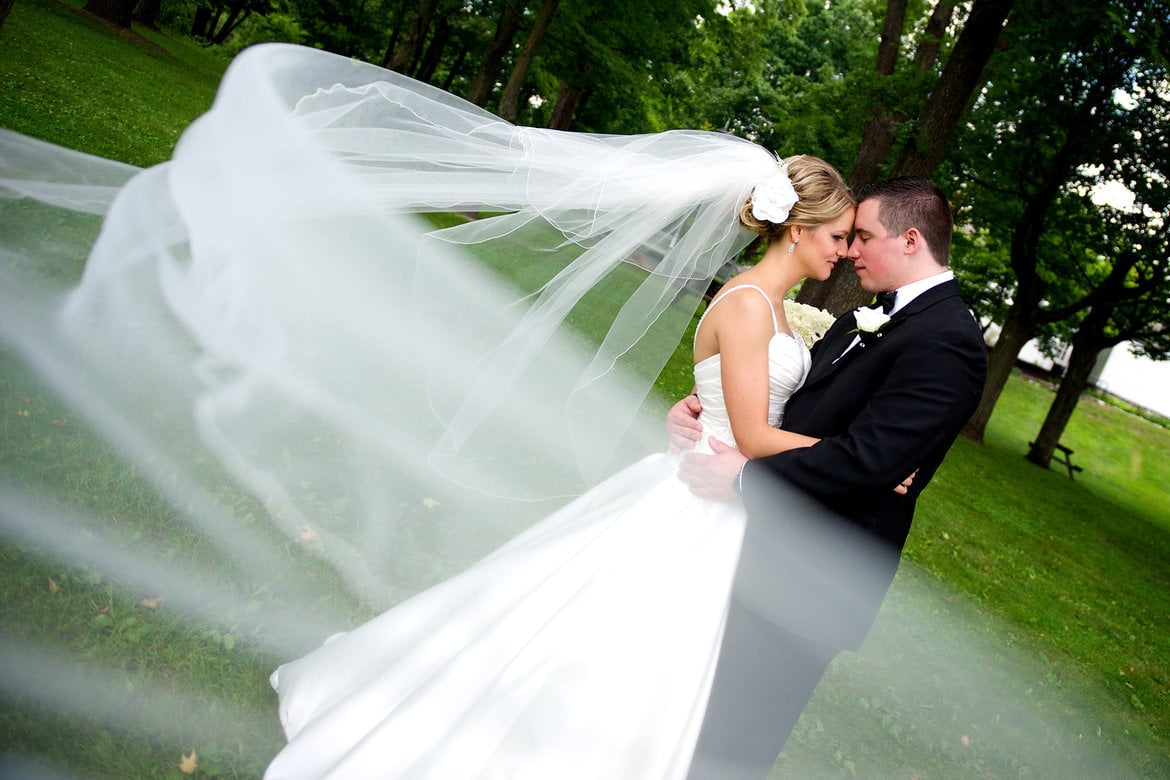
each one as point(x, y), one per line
point(792, 246)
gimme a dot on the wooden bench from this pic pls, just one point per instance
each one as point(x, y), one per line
point(1063, 455)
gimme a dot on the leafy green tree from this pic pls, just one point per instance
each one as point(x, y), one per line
point(355, 28)
point(510, 98)
point(784, 74)
point(616, 51)
point(932, 124)
point(215, 20)
point(1059, 130)
point(409, 46)
point(508, 20)
point(1131, 303)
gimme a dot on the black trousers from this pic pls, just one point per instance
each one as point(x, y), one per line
point(763, 680)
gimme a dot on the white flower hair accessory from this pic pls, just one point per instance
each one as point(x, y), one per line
point(774, 196)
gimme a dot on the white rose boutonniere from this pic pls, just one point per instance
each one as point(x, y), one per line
point(808, 323)
point(870, 322)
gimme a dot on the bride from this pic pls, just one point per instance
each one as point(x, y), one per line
point(585, 646)
point(268, 310)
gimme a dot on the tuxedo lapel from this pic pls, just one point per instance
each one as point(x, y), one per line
point(826, 362)
point(829, 359)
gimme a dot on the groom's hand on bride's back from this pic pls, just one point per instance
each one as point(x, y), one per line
point(713, 476)
point(682, 424)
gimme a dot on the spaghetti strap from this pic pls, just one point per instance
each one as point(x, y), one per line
point(730, 290)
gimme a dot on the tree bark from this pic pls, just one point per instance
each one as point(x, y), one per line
point(119, 12)
point(509, 106)
point(434, 53)
point(1087, 346)
point(453, 73)
point(568, 99)
point(878, 135)
point(1018, 328)
point(395, 33)
point(200, 21)
point(146, 13)
point(930, 44)
point(407, 51)
point(955, 88)
point(493, 56)
point(5, 9)
point(237, 13)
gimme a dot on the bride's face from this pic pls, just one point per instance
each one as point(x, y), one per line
point(824, 245)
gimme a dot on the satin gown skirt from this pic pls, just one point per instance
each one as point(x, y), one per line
point(584, 648)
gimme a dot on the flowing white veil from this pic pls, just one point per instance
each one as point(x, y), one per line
point(268, 307)
point(270, 332)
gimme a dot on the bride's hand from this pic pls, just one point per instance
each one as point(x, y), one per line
point(682, 424)
point(904, 486)
point(712, 476)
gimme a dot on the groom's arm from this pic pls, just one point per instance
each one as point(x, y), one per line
point(909, 421)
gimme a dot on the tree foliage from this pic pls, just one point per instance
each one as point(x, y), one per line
point(927, 124)
point(1049, 129)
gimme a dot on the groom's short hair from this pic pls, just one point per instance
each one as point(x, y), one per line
point(912, 201)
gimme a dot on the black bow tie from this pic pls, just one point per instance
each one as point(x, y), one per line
point(886, 300)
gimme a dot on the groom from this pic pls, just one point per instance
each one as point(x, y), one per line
point(825, 526)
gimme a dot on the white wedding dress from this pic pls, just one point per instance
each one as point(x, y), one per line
point(583, 648)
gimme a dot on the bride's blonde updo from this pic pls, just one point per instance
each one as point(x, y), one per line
point(823, 196)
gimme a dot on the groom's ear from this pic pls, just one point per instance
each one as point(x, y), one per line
point(913, 241)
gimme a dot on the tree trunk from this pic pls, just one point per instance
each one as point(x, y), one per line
point(146, 13)
point(568, 99)
point(395, 34)
point(1081, 362)
point(455, 66)
point(841, 292)
point(236, 16)
point(430, 61)
point(878, 135)
point(509, 106)
point(493, 56)
point(406, 52)
point(120, 12)
point(355, 31)
point(930, 44)
point(1018, 327)
point(200, 21)
point(5, 9)
point(955, 88)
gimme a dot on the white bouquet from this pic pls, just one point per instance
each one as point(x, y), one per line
point(807, 322)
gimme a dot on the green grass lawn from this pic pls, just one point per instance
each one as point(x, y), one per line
point(1026, 634)
point(74, 81)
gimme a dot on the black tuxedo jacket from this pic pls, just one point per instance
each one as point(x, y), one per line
point(881, 410)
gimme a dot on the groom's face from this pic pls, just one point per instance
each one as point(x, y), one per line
point(877, 256)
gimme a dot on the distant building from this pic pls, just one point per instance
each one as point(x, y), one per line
point(1138, 380)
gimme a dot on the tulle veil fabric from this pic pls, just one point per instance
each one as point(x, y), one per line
point(271, 306)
